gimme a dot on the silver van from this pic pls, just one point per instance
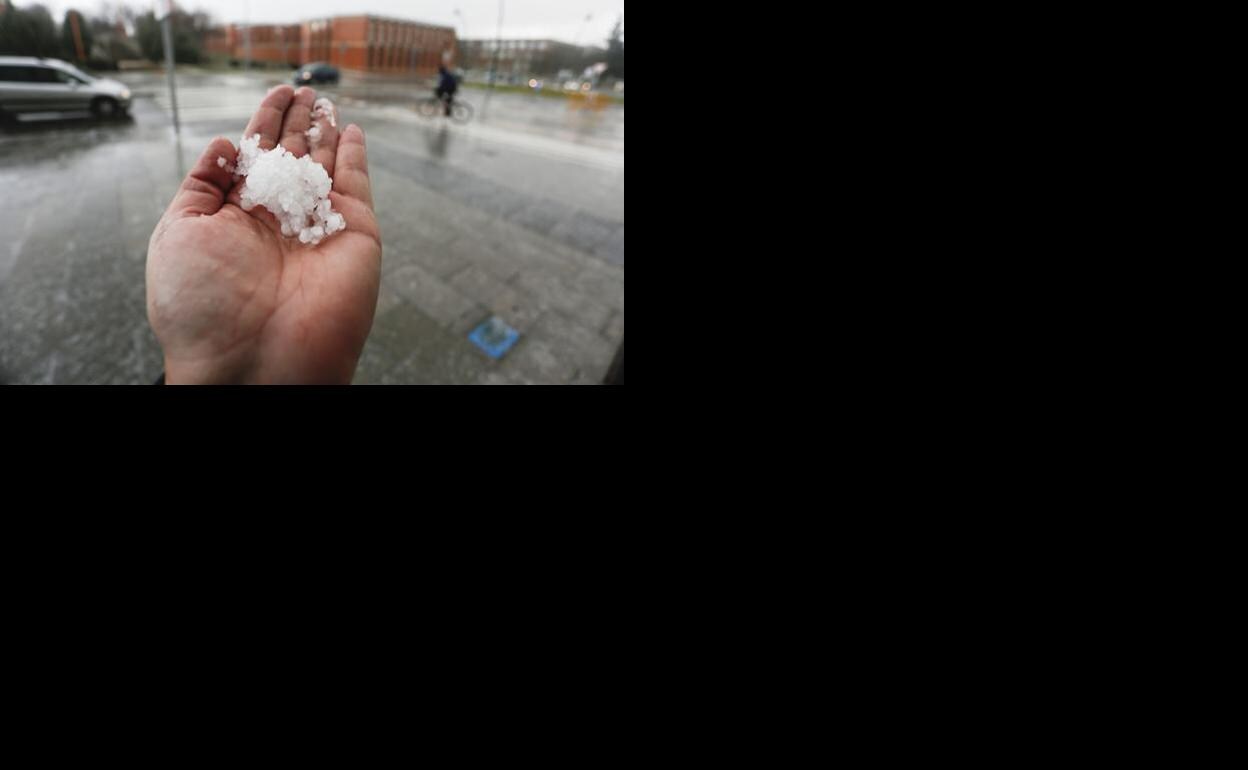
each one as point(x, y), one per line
point(51, 85)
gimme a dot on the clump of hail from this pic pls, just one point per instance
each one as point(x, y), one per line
point(295, 190)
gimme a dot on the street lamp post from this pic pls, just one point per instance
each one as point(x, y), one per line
point(462, 33)
point(580, 50)
point(581, 31)
point(166, 39)
point(498, 46)
point(247, 36)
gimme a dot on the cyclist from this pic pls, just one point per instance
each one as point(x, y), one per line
point(447, 86)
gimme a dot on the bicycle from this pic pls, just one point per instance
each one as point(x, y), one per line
point(461, 112)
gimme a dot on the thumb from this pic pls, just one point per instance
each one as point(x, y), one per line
point(205, 187)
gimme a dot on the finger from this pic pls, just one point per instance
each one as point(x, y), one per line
point(267, 122)
point(351, 178)
point(358, 215)
point(297, 120)
point(205, 188)
point(325, 148)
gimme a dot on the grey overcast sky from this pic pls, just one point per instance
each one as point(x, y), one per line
point(555, 19)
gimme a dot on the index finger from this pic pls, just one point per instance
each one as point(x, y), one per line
point(295, 123)
point(267, 122)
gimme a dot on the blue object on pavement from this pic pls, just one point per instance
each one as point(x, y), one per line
point(494, 336)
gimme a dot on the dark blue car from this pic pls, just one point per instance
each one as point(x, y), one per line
point(316, 72)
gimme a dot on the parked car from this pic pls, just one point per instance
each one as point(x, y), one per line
point(316, 72)
point(28, 84)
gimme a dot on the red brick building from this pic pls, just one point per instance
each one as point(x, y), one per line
point(270, 43)
point(368, 43)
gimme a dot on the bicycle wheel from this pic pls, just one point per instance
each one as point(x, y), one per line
point(430, 107)
point(461, 112)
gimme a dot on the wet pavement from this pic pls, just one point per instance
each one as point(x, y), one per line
point(519, 214)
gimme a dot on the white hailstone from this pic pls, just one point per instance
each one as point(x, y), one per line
point(324, 108)
point(295, 190)
point(323, 111)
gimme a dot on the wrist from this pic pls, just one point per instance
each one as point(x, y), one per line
point(181, 372)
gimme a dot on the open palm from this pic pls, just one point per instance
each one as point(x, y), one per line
point(233, 301)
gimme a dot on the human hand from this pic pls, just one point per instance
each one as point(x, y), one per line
point(233, 301)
